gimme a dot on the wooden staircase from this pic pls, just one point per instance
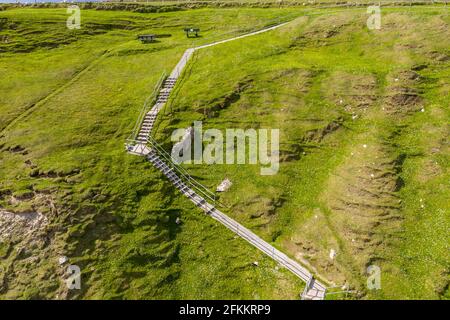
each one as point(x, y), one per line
point(141, 143)
point(150, 117)
point(314, 290)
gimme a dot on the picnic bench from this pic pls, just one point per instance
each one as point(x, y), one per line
point(191, 31)
point(146, 38)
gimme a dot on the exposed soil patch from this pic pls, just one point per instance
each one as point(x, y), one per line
point(24, 224)
point(410, 75)
point(405, 100)
point(22, 196)
point(27, 247)
point(312, 245)
point(419, 67)
point(227, 100)
point(320, 31)
point(317, 135)
point(18, 149)
point(354, 93)
point(430, 169)
point(260, 209)
point(36, 173)
point(362, 195)
point(30, 164)
point(291, 152)
point(402, 96)
point(438, 56)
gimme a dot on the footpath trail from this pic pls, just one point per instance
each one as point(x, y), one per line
point(144, 145)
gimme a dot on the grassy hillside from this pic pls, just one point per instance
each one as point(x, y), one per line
point(68, 101)
point(363, 118)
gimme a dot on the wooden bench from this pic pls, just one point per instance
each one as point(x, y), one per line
point(190, 31)
point(146, 38)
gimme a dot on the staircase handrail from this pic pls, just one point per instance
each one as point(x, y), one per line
point(145, 108)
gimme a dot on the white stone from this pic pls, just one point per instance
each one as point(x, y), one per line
point(224, 185)
point(62, 260)
point(332, 254)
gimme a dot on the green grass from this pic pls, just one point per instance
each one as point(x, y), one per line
point(69, 99)
point(292, 79)
point(115, 215)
